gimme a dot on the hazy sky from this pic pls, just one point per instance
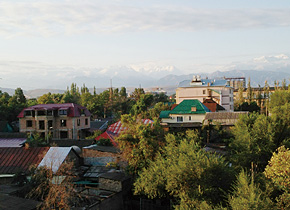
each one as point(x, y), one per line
point(50, 37)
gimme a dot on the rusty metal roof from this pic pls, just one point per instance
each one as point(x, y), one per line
point(19, 159)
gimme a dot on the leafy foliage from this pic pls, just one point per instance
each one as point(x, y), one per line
point(278, 171)
point(246, 195)
point(140, 143)
point(184, 171)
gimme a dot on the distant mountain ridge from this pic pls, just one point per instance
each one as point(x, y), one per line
point(257, 77)
point(132, 79)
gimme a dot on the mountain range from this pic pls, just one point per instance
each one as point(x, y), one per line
point(131, 79)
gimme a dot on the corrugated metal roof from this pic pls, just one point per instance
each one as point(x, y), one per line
point(55, 157)
point(224, 118)
point(185, 107)
point(15, 142)
point(74, 110)
point(19, 159)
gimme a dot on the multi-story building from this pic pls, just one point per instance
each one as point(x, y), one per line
point(218, 90)
point(63, 121)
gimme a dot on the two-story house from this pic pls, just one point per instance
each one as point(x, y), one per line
point(62, 121)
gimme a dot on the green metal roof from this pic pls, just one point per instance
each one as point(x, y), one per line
point(164, 114)
point(185, 107)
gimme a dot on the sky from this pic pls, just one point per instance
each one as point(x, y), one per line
point(62, 38)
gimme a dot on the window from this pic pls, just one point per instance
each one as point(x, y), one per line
point(27, 113)
point(203, 92)
point(179, 119)
point(193, 109)
point(49, 112)
point(62, 112)
point(86, 121)
point(189, 118)
point(78, 122)
point(63, 134)
point(41, 124)
point(28, 123)
point(63, 123)
point(49, 124)
point(40, 113)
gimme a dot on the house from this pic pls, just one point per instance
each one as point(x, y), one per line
point(62, 121)
point(189, 113)
point(218, 90)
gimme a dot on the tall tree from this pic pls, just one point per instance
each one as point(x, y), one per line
point(249, 91)
point(247, 195)
point(240, 97)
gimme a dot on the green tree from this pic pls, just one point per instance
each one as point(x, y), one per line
point(45, 99)
point(253, 141)
point(4, 107)
point(266, 97)
point(16, 103)
point(247, 195)
point(278, 171)
point(184, 172)
point(249, 92)
point(240, 97)
point(139, 143)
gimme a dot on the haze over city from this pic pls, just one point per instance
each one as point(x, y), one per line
point(49, 44)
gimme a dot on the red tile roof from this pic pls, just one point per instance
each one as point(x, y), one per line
point(74, 110)
point(15, 159)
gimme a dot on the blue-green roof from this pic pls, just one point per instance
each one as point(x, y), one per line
point(164, 114)
point(185, 107)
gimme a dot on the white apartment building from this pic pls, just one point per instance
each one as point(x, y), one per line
point(218, 90)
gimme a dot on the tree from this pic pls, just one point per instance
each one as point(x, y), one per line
point(240, 97)
point(137, 93)
point(254, 141)
point(249, 92)
point(54, 195)
point(45, 99)
point(251, 107)
point(139, 143)
point(247, 195)
point(16, 103)
point(186, 173)
point(278, 171)
point(266, 97)
point(4, 107)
